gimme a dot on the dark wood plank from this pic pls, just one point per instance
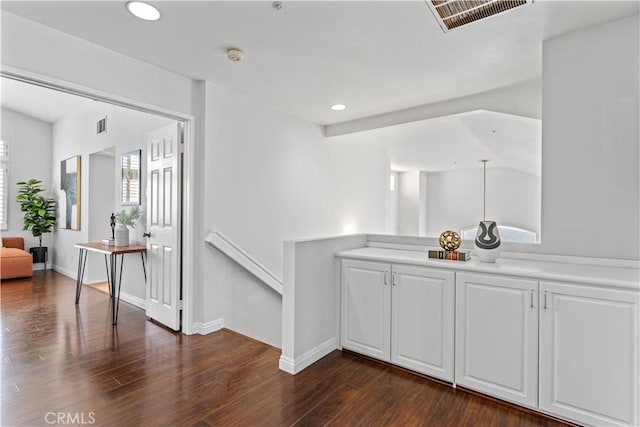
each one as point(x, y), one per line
point(57, 357)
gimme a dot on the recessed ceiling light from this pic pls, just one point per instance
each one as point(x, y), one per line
point(143, 10)
point(338, 107)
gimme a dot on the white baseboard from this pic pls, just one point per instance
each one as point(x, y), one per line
point(69, 273)
point(39, 266)
point(133, 300)
point(94, 282)
point(207, 327)
point(294, 366)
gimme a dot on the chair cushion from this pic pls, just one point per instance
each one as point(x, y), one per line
point(13, 242)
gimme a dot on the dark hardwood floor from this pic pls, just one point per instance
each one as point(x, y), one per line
point(66, 363)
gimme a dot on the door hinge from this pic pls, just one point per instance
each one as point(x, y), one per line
point(180, 305)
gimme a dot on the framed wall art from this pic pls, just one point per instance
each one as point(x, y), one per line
point(70, 178)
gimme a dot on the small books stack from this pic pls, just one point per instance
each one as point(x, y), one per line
point(450, 255)
point(108, 242)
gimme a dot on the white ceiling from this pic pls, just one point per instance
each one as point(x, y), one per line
point(459, 142)
point(374, 56)
point(43, 104)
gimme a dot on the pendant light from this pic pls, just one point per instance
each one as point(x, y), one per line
point(487, 242)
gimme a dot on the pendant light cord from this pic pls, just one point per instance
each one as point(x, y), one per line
point(484, 190)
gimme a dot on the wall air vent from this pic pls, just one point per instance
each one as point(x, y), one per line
point(101, 126)
point(451, 14)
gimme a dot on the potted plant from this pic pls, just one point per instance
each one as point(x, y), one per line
point(126, 219)
point(39, 214)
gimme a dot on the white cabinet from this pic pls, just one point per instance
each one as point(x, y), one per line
point(422, 320)
point(497, 336)
point(589, 354)
point(400, 314)
point(366, 308)
point(566, 348)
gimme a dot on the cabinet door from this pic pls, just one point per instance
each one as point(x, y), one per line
point(422, 320)
point(497, 336)
point(366, 308)
point(589, 354)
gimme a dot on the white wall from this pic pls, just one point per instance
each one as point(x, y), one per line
point(75, 134)
point(392, 203)
point(311, 299)
point(408, 203)
point(34, 48)
point(269, 178)
point(590, 167)
point(513, 198)
point(30, 145)
point(102, 198)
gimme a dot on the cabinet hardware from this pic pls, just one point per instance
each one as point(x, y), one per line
point(393, 278)
point(531, 298)
point(386, 281)
point(545, 300)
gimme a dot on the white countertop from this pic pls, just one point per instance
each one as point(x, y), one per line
point(587, 274)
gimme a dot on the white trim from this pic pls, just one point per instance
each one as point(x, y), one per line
point(189, 242)
point(530, 256)
point(39, 266)
point(90, 93)
point(207, 327)
point(399, 246)
point(188, 196)
point(296, 365)
point(133, 300)
point(93, 282)
point(237, 254)
point(69, 273)
point(605, 262)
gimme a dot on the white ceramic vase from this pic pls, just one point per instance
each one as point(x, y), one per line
point(487, 243)
point(122, 235)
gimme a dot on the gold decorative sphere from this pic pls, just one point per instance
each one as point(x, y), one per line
point(450, 240)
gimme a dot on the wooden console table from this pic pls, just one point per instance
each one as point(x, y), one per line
point(114, 276)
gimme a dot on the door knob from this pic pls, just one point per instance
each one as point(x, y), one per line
point(146, 234)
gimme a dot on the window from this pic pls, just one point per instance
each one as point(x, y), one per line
point(4, 183)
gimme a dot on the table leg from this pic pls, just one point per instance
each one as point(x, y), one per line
point(112, 270)
point(82, 262)
point(116, 284)
point(144, 268)
point(119, 286)
point(106, 266)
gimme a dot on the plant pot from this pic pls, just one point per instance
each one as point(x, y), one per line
point(39, 254)
point(122, 235)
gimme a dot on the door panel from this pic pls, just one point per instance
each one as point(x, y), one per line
point(589, 354)
point(497, 336)
point(163, 222)
point(422, 320)
point(366, 306)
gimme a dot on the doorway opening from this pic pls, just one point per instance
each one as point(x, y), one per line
point(100, 133)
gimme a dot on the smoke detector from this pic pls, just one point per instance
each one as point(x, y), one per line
point(235, 55)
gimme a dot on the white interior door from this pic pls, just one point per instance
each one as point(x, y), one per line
point(163, 225)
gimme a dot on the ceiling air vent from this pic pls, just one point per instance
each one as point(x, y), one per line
point(455, 13)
